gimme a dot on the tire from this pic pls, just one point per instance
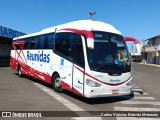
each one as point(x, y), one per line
point(19, 71)
point(56, 83)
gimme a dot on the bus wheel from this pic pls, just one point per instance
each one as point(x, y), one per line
point(19, 71)
point(56, 83)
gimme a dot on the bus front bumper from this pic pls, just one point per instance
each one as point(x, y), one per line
point(107, 91)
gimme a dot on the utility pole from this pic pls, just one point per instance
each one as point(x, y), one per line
point(144, 52)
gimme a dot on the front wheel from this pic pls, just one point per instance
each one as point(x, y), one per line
point(56, 83)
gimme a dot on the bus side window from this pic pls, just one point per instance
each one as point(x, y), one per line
point(46, 42)
point(36, 42)
point(25, 45)
point(29, 43)
point(32, 43)
point(63, 44)
point(50, 41)
point(42, 42)
point(78, 55)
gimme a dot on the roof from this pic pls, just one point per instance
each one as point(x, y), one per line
point(86, 25)
point(158, 36)
point(9, 33)
point(81, 25)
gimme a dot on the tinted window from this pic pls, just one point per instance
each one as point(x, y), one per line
point(50, 41)
point(42, 41)
point(33, 41)
point(36, 42)
point(45, 41)
point(78, 51)
point(109, 55)
point(63, 43)
point(28, 43)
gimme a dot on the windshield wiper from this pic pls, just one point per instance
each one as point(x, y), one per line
point(102, 65)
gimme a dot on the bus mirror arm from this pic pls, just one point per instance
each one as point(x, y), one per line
point(89, 38)
point(90, 42)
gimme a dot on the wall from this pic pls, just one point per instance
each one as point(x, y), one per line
point(151, 57)
point(5, 50)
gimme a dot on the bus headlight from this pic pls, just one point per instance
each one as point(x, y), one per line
point(92, 83)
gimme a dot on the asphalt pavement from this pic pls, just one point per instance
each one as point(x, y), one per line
point(29, 94)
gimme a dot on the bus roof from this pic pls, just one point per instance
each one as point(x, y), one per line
point(81, 25)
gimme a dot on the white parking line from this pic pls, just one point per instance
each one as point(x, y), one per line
point(137, 93)
point(143, 98)
point(59, 98)
point(135, 86)
point(138, 98)
point(67, 103)
point(139, 102)
point(137, 89)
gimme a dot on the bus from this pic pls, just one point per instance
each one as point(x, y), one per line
point(89, 58)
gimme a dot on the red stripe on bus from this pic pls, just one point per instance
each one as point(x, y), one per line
point(29, 70)
point(68, 87)
point(100, 80)
point(87, 33)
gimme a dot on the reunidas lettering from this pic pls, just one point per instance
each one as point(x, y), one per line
point(40, 56)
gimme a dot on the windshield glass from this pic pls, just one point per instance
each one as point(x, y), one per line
point(110, 53)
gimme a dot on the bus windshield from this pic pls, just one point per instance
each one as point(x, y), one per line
point(110, 54)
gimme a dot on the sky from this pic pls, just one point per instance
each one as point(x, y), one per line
point(134, 18)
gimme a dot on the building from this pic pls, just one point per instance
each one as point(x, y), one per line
point(153, 50)
point(136, 57)
point(6, 36)
point(143, 53)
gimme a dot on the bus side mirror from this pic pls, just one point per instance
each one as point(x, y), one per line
point(135, 41)
point(90, 43)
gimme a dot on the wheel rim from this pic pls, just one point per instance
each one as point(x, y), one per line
point(58, 83)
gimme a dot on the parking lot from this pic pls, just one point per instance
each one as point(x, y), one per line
point(28, 94)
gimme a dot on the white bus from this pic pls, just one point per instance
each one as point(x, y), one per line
point(89, 58)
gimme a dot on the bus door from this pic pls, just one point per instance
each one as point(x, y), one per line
point(69, 48)
point(64, 50)
point(78, 66)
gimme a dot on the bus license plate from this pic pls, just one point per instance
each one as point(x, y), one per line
point(115, 91)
